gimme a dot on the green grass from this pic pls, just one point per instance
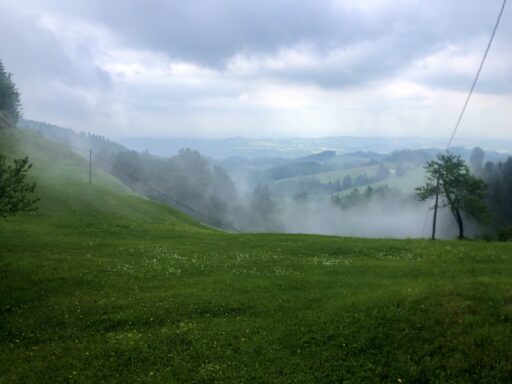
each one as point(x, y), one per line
point(103, 286)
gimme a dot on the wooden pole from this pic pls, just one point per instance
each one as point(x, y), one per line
point(90, 167)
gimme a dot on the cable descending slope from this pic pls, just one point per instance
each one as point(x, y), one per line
point(463, 110)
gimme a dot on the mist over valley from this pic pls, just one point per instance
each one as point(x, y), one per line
point(226, 191)
point(361, 193)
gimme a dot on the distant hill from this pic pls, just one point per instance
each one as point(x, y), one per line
point(66, 136)
point(319, 174)
point(317, 157)
point(265, 153)
point(291, 148)
point(101, 286)
point(62, 179)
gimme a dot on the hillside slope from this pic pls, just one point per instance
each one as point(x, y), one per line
point(101, 286)
point(67, 198)
point(4, 121)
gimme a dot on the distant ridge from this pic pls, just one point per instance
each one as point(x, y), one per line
point(293, 148)
point(69, 137)
point(322, 156)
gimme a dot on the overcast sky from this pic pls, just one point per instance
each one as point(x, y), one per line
point(266, 68)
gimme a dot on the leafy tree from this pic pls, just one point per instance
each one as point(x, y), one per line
point(400, 170)
point(187, 177)
point(382, 173)
point(361, 180)
point(263, 210)
point(498, 177)
point(505, 234)
point(382, 195)
point(15, 192)
point(477, 159)
point(347, 182)
point(368, 193)
point(450, 178)
point(9, 95)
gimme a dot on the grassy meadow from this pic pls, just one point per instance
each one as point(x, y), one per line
point(102, 286)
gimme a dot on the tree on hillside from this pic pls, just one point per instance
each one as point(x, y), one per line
point(15, 192)
point(400, 170)
point(450, 179)
point(382, 173)
point(347, 182)
point(477, 159)
point(9, 95)
point(263, 210)
point(361, 180)
point(498, 177)
point(185, 179)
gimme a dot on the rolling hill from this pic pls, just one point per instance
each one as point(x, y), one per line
point(103, 286)
point(62, 179)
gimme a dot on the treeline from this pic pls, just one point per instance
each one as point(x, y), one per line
point(498, 200)
point(187, 178)
point(313, 186)
point(496, 224)
point(10, 102)
point(381, 194)
point(70, 138)
point(299, 169)
point(16, 194)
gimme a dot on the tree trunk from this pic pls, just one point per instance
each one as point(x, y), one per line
point(461, 226)
point(456, 213)
point(458, 218)
point(436, 204)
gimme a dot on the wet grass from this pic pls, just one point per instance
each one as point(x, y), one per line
point(212, 307)
point(102, 286)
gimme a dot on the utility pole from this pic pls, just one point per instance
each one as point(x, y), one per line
point(90, 166)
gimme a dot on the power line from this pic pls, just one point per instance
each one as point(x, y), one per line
point(477, 75)
point(170, 198)
point(464, 107)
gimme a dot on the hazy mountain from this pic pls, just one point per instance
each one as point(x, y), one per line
point(300, 147)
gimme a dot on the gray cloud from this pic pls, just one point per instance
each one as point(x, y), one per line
point(211, 32)
point(347, 46)
point(53, 79)
point(37, 53)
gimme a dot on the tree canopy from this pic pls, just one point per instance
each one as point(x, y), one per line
point(9, 95)
point(498, 177)
point(450, 178)
point(15, 191)
point(477, 159)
